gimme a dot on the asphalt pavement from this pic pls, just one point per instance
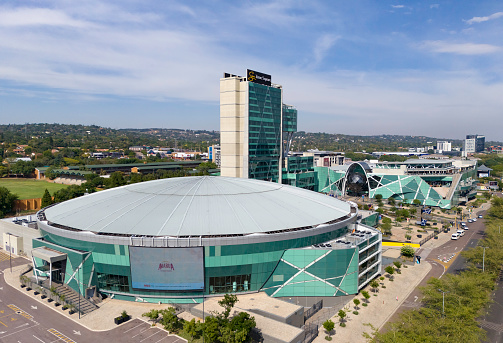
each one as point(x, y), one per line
point(25, 320)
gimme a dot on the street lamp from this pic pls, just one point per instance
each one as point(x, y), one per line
point(483, 259)
point(443, 301)
point(10, 252)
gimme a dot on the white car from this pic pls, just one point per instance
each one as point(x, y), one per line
point(465, 228)
point(480, 216)
point(463, 223)
point(460, 233)
point(470, 220)
point(474, 219)
point(455, 236)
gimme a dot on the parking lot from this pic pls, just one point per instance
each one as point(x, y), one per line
point(25, 320)
point(139, 331)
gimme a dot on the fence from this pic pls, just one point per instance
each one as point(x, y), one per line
point(313, 309)
point(311, 332)
point(424, 240)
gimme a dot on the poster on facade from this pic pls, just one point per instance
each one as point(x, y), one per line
point(168, 269)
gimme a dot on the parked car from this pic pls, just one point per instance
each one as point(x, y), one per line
point(460, 233)
point(455, 236)
point(470, 220)
point(480, 216)
point(465, 228)
point(474, 219)
point(463, 223)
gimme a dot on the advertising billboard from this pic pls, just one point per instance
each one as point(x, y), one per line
point(168, 269)
point(257, 77)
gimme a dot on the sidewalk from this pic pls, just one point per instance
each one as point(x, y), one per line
point(101, 319)
point(380, 307)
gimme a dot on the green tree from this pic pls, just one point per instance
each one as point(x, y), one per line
point(328, 325)
point(416, 202)
point(169, 320)
point(391, 201)
point(228, 303)
point(374, 284)
point(356, 302)
point(46, 199)
point(386, 228)
point(398, 265)
point(211, 330)
point(152, 315)
point(378, 197)
point(390, 270)
point(366, 295)
point(342, 315)
point(6, 201)
point(192, 328)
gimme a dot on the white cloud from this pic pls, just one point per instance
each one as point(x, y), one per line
point(322, 46)
point(397, 6)
point(460, 48)
point(37, 17)
point(434, 6)
point(482, 19)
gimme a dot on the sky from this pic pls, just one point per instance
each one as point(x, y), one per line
point(423, 68)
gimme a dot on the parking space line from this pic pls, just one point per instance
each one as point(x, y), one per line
point(162, 338)
point(134, 327)
point(38, 339)
point(155, 333)
point(142, 331)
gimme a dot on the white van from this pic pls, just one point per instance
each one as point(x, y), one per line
point(455, 236)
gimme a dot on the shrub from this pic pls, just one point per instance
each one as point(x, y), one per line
point(407, 251)
point(364, 304)
point(355, 313)
point(343, 325)
point(328, 338)
point(124, 314)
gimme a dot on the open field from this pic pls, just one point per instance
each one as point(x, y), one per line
point(30, 188)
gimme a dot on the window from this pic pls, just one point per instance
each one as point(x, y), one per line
point(228, 284)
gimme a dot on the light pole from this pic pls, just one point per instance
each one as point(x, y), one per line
point(483, 259)
point(10, 252)
point(443, 301)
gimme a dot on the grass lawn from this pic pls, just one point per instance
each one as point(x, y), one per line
point(30, 188)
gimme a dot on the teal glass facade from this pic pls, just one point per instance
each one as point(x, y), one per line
point(264, 134)
point(227, 268)
point(406, 188)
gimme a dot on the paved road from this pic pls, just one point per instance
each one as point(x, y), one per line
point(469, 240)
point(24, 320)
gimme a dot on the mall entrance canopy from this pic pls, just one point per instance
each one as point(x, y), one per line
point(49, 255)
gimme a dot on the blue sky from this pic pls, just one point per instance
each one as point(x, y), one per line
point(354, 67)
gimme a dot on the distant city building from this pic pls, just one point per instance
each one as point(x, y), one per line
point(474, 144)
point(325, 158)
point(214, 154)
point(444, 146)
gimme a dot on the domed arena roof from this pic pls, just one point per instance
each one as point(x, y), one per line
point(197, 206)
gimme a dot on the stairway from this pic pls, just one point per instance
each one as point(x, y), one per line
point(72, 297)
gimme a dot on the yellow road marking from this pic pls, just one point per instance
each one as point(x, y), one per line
point(393, 244)
point(3, 324)
point(61, 336)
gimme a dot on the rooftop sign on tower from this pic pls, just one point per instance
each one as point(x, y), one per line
point(257, 77)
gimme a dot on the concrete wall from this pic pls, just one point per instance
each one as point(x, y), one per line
point(27, 233)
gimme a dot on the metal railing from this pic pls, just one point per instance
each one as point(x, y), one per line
point(313, 309)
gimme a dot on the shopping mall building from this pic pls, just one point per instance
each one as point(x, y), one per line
point(178, 239)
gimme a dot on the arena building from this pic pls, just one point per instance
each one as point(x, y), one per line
point(442, 183)
point(179, 239)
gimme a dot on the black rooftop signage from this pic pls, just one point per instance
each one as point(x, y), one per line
point(257, 77)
